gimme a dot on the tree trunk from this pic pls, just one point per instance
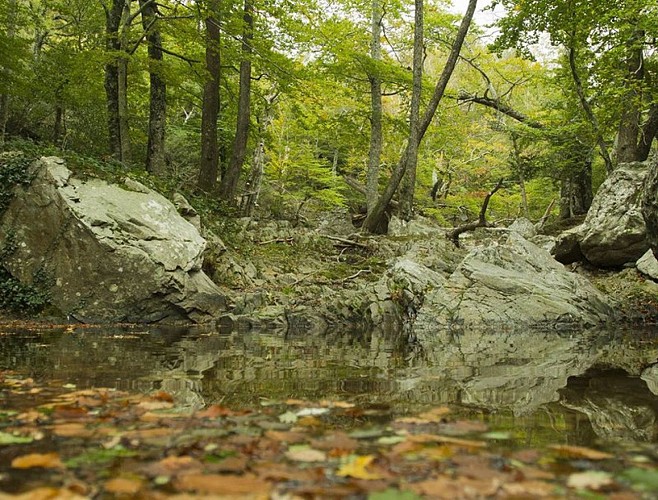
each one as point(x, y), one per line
point(59, 128)
point(231, 177)
point(587, 108)
point(576, 192)
point(376, 221)
point(628, 132)
point(650, 206)
point(155, 154)
point(122, 75)
point(375, 152)
point(210, 108)
point(409, 179)
point(648, 133)
point(113, 17)
point(12, 9)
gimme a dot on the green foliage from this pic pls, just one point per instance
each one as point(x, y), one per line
point(14, 170)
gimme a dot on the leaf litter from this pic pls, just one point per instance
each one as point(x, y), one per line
point(103, 443)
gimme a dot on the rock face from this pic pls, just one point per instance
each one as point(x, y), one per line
point(515, 283)
point(614, 231)
point(114, 253)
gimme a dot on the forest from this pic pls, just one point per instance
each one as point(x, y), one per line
point(295, 108)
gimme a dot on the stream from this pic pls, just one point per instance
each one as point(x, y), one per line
point(579, 388)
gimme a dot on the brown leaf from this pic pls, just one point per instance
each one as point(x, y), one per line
point(336, 404)
point(461, 427)
point(173, 465)
point(435, 414)
point(435, 438)
point(309, 421)
point(529, 489)
point(580, 452)
point(163, 396)
point(216, 484)
point(45, 460)
point(214, 411)
point(460, 487)
point(123, 486)
point(335, 441)
point(47, 493)
point(306, 455)
point(68, 412)
point(72, 429)
point(286, 437)
point(236, 465)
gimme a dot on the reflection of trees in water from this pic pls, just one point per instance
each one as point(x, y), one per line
point(518, 372)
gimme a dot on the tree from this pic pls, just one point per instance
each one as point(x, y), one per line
point(155, 154)
point(209, 167)
point(375, 149)
point(607, 44)
point(375, 221)
point(229, 184)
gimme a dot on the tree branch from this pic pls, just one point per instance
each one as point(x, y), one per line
point(499, 106)
point(482, 218)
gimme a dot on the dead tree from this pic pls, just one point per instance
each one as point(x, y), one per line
point(482, 218)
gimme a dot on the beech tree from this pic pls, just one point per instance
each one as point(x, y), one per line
point(376, 220)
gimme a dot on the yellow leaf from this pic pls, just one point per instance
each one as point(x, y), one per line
point(357, 468)
point(46, 460)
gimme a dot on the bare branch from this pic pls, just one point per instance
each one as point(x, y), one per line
point(482, 218)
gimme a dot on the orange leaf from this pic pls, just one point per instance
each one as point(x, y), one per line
point(216, 484)
point(46, 460)
point(123, 486)
point(580, 452)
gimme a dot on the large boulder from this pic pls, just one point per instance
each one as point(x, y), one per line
point(614, 231)
point(112, 253)
point(514, 283)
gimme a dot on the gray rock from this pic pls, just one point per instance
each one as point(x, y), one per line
point(567, 246)
point(648, 265)
point(115, 253)
point(650, 376)
point(523, 227)
point(614, 231)
point(513, 283)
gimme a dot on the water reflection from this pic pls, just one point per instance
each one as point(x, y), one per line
point(545, 385)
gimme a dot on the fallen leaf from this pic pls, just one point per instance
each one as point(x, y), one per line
point(216, 484)
point(435, 414)
point(580, 452)
point(356, 467)
point(7, 438)
point(435, 438)
point(461, 427)
point(309, 422)
point(72, 429)
point(163, 396)
point(305, 454)
point(460, 487)
point(306, 412)
point(123, 486)
point(529, 489)
point(591, 480)
point(214, 411)
point(45, 460)
point(286, 436)
point(335, 441)
point(288, 417)
point(336, 404)
point(48, 493)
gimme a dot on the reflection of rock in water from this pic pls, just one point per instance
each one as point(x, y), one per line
point(618, 406)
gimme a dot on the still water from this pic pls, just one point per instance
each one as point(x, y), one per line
point(583, 387)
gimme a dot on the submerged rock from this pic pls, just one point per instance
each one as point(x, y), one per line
point(113, 253)
point(512, 283)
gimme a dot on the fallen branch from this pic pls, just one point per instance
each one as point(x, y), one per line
point(355, 275)
point(346, 241)
point(289, 241)
point(542, 222)
point(482, 218)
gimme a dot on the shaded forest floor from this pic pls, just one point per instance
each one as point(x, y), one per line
point(60, 442)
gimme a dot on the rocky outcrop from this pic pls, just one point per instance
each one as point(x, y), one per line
point(614, 231)
point(514, 283)
point(112, 253)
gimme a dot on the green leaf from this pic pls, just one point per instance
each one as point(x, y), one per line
point(641, 479)
point(393, 494)
point(6, 438)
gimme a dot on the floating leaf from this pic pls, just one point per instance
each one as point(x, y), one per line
point(7, 438)
point(305, 454)
point(216, 484)
point(390, 440)
point(497, 436)
point(288, 417)
point(392, 494)
point(591, 479)
point(356, 467)
point(123, 486)
point(642, 479)
point(580, 452)
point(45, 460)
point(311, 412)
point(529, 489)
